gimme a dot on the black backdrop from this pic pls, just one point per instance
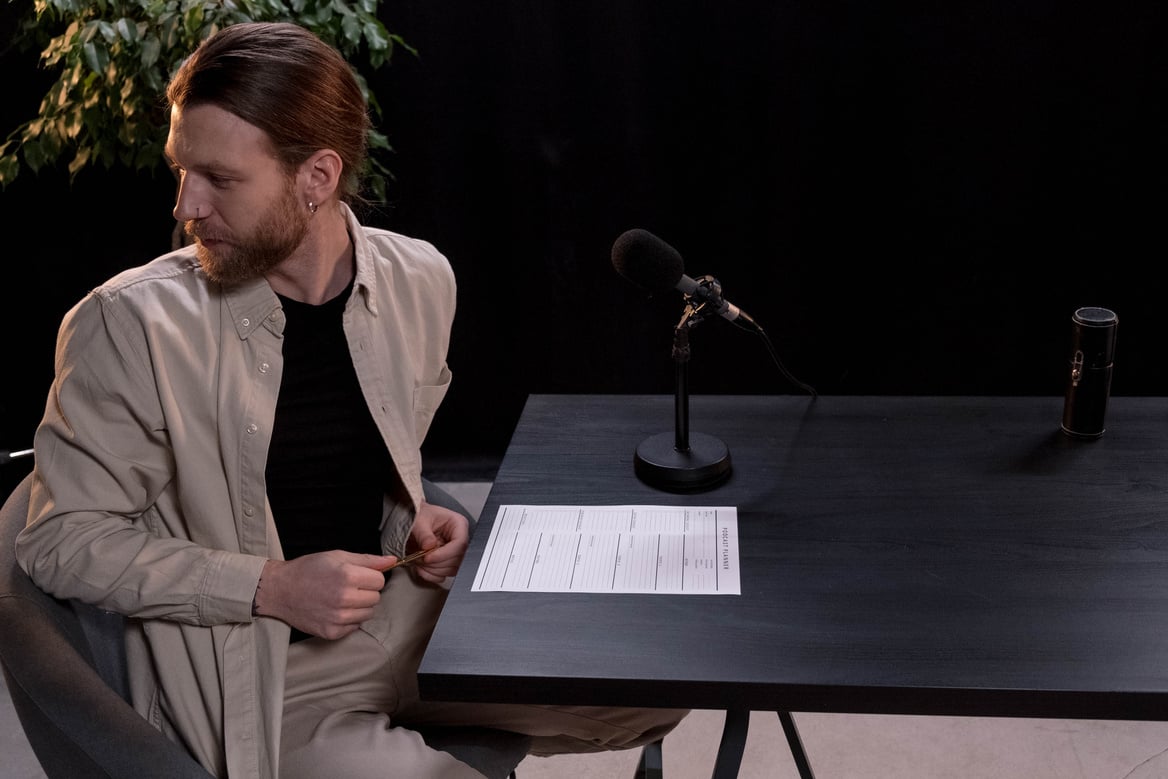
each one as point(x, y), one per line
point(911, 198)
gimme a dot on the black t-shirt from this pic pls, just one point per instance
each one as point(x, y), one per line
point(328, 468)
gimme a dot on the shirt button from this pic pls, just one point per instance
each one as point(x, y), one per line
point(251, 429)
point(248, 511)
point(245, 322)
point(264, 367)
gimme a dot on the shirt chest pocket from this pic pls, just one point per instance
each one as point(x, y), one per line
point(427, 398)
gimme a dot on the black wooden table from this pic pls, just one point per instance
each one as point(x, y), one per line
point(899, 555)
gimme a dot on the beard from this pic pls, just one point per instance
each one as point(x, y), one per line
point(277, 234)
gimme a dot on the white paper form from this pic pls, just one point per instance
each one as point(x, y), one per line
point(642, 549)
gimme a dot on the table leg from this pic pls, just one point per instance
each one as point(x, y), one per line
point(733, 744)
point(796, 745)
point(651, 765)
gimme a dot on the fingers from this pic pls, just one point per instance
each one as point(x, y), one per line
point(363, 570)
point(441, 563)
point(412, 558)
point(446, 555)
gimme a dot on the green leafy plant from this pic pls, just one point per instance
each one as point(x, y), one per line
point(115, 57)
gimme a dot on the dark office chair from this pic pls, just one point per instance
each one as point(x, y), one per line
point(65, 665)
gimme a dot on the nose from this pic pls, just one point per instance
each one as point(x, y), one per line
point(188, 205)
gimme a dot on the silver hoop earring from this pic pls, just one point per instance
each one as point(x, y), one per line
point(312, 206)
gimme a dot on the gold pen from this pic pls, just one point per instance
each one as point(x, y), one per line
point(413, 558)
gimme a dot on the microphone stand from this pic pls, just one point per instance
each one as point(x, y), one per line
point(683, 461)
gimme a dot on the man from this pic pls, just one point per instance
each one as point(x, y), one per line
point(230, 451)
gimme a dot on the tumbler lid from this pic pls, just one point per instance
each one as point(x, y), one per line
point(1095, 317)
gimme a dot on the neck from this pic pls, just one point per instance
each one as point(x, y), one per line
point(323, 265)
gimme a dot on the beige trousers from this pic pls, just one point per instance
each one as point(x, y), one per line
point(350, 705)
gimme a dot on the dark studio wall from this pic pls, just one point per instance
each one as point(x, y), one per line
point(911, 198)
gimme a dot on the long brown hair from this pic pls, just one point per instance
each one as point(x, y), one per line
point(286, 81)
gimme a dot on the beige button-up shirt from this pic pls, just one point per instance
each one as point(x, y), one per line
point(149, 496)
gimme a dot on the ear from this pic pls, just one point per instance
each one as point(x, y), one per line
point(320, 175)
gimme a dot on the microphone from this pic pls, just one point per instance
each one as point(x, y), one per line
point(654, 265)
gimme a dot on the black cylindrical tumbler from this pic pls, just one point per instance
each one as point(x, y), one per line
point(1089, 383)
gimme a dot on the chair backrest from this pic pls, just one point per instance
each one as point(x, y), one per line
point(64, 662)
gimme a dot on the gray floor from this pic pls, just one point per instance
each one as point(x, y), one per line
point(838, 746)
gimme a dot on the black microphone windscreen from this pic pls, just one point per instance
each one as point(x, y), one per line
point(647, 261)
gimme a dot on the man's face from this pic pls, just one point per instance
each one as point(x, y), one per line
point(235, 198)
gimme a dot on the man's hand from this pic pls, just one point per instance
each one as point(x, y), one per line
point(444, 531)
point(327, 594)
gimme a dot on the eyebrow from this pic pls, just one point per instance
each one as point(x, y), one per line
point(214, 166)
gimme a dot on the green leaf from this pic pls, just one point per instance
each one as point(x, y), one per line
point(34, 155)
point(351, 28)
point(376, 37)
point(374, 105)
point(9, 169)
point(154, 81)
point(86, 33)
point(377, 140)
point(79, 161)
point(108, 31)
point(73, 124)
point(151, 48)
point(92, 59)
point(127, 30)
point(170, 32)
point(320, 19)
point(193, 20)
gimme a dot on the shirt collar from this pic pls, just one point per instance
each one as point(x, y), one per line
point(253, 302)
point(365, 282)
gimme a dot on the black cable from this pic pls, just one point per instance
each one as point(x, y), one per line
point(755, 327)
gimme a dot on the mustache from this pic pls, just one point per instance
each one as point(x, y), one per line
point(194, 230)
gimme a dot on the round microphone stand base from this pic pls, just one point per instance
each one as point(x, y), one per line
point(704, 465)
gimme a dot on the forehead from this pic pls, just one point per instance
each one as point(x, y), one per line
point(206, 135)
